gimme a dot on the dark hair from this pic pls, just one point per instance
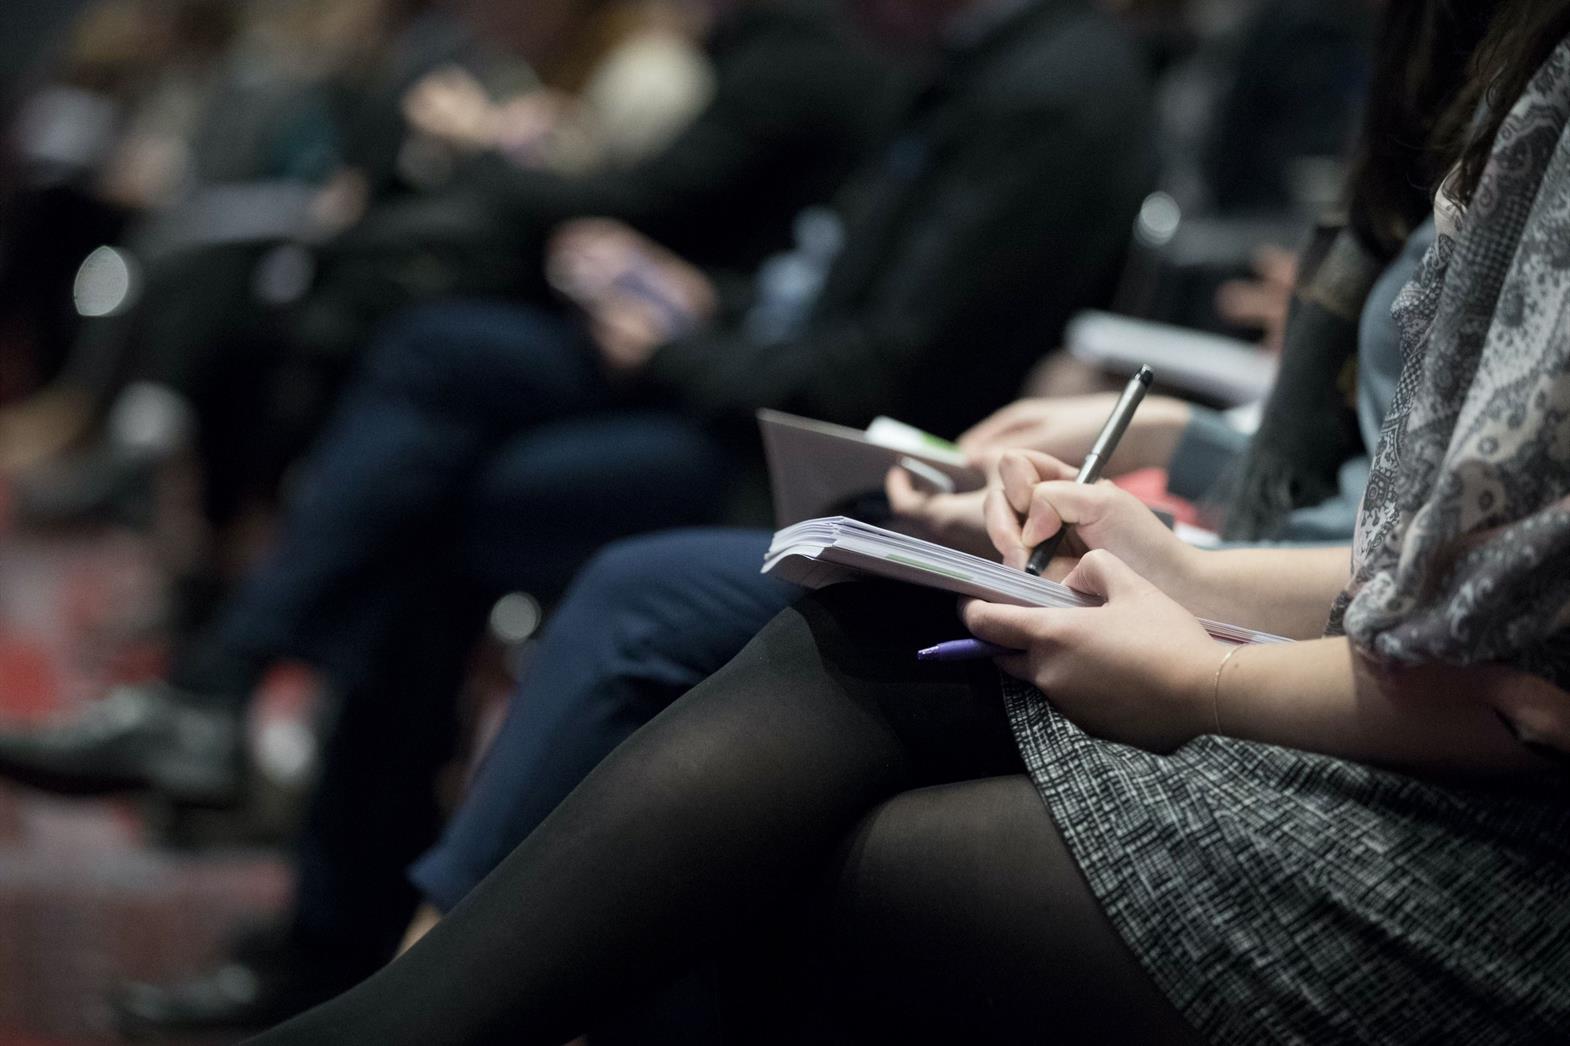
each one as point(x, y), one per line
point(1425, 51)
point(1524, 34)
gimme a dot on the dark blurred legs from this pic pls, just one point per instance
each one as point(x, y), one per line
point(646, 621)
point(445, 388)
point(552, 497)
point(375, 807)
point(710, 822)
point(435, 491)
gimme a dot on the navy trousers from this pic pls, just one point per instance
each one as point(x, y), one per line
point(480, 436)
point(648, 619)
point(480, 451)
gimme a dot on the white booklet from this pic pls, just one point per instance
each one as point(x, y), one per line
point(816, 467)
point(1222, 369)
point(820, 552)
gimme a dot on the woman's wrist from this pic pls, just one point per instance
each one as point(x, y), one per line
point(1192, 688)
point(1181, 573)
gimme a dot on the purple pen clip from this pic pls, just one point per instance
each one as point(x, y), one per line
point(962, 650)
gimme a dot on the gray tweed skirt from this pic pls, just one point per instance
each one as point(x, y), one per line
point(1281, 897)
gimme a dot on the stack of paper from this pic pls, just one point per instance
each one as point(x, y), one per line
point(819, 552)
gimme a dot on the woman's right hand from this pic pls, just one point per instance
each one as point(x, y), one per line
point(1032, 496)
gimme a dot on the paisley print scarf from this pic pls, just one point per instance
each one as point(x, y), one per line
point(1462, 550)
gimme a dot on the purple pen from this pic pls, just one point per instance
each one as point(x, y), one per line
point(962, 650)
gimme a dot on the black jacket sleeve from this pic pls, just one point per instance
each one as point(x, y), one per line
point(779, 134)
point(1028, 221)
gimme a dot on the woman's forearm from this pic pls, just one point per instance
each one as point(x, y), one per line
point(1320, 696)
point(1286, 591)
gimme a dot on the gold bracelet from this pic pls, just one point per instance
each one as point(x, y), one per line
point(1215, 696)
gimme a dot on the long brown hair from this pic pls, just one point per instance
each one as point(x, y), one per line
point(1524, 34)
point(1425, 51)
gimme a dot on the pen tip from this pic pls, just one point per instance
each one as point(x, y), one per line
point(1146, 376)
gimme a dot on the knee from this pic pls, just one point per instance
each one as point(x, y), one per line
point(674, 607)
point(408, 349)
point(459, 347)
point(635, 570)
point(886, 602)
point(915, 911)
point(929, 868)
point(860, 622)
point(637, 594)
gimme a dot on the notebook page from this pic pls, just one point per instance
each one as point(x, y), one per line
point(820, 551)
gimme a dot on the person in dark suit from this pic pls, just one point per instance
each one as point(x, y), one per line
point(515, 441)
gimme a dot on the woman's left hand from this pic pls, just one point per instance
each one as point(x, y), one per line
point(1138, 669)
point(956, 520)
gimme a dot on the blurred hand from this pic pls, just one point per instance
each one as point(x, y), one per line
point(1066, 426)
point(452, 106)
point(146, 171)
point(1138, 669)
point(1033, 496)
point(526, 125)
point(43, 426)
point(636, 294)
point(627, 329)
point(956, 520)
point(342, 201)
point(1262, 303)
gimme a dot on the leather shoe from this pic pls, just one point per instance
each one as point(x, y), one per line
point(147, 737)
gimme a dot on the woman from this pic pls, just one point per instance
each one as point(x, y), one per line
point(1360, 837)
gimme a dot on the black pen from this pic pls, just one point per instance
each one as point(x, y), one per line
point(1100, 451)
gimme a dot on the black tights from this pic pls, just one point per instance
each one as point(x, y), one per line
point(823, 770)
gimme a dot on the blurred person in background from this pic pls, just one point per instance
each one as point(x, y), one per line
point(289, 104)
point(638, 78)
point(495, 447)
point(422, 209)
point(91, 149)
point(1259, 105)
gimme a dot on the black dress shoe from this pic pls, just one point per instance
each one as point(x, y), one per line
point(260, 986)
point(150, 737)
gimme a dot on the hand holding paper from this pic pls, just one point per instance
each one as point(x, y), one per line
point(1137, 668)
point(956, 520)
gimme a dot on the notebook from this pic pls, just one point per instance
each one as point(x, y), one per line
point(819, 552)
point(815, 468)
point(1208, 365)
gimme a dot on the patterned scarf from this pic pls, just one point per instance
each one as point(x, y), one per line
point(1462, 551)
